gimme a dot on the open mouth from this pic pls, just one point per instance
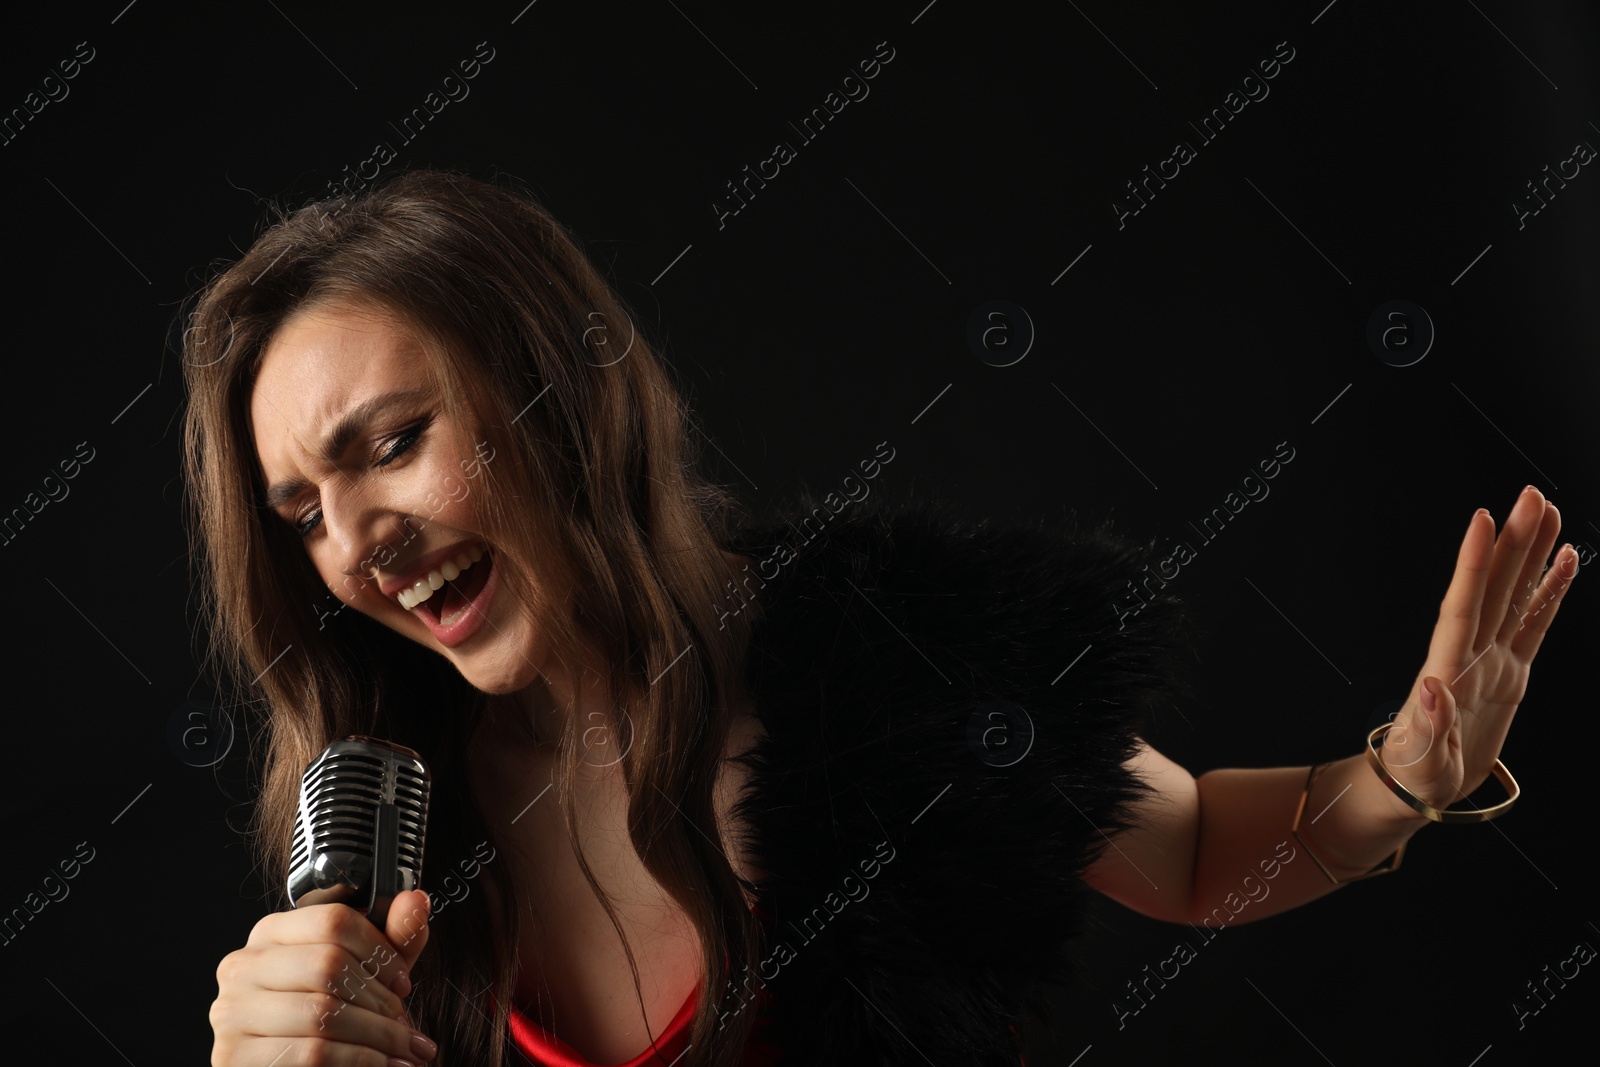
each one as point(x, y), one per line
point(450, 589)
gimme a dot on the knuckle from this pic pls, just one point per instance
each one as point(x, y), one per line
point(236, 968)
point(317, 1052)
point(336, 921)
point(322, 1006)
point(263, 929)
point(328, 962)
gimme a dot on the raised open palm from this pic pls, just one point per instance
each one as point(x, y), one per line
point(1492, 620)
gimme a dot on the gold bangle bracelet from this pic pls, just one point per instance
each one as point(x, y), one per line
point(1422, 807)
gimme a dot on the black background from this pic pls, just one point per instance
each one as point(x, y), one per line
point(1227, 316)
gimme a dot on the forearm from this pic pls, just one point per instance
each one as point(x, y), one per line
point(1218, 849)
point(1247, 864)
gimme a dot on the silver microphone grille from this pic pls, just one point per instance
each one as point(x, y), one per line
point(362, 820)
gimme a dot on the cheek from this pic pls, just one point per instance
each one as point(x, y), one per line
point(442, 496)
point(354, 590)
point(458, 515)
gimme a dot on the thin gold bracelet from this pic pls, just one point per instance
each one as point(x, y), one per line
point(1416, 803)
point(1294, 828)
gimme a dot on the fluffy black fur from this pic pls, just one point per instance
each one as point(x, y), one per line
point(879, 648)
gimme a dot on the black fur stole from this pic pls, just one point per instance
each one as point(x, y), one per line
point(948, 708)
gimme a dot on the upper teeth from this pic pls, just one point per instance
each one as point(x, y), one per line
point(448, 571)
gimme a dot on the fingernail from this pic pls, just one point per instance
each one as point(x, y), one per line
point(396, 1061)
point(1429, 701)
point(422, 1048)
point(1527, 489)
point(402, 984)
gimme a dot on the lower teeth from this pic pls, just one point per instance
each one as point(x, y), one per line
point(450, 618)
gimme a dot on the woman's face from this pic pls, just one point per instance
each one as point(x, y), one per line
point(361, 460)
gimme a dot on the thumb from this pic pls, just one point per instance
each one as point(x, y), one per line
point(1418, 744)
point(407, 926)
point(1437, 701)
point(1424, 761)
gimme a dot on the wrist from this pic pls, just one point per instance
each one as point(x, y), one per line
point(1426, 809)
point(1350, 822)
point(1382, 802)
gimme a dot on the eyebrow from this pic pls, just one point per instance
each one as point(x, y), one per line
point(338, 440)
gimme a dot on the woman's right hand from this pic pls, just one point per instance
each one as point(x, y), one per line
point(319, 986)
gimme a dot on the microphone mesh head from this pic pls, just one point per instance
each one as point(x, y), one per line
point(336, 830)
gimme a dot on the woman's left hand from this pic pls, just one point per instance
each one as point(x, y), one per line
point(1491, 623)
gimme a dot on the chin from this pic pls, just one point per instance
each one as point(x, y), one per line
point(499, 679)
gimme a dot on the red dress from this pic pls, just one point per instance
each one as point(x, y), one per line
point(544, 1049)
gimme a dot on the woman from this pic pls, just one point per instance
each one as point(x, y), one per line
point(709, 789)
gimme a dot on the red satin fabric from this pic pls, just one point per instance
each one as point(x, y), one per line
point(547, 1050)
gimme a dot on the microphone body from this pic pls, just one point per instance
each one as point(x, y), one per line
point(359, 833)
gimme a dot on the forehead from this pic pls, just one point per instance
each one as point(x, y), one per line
point(319, 363)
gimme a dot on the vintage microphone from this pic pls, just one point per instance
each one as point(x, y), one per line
point(359, 832)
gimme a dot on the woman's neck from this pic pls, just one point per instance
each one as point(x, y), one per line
point(529, 724)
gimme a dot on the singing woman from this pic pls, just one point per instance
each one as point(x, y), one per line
point(710, 788)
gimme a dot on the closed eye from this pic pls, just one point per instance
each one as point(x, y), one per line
point(400, 444)
point(304, 525)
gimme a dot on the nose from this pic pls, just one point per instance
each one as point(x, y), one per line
point(357, 521)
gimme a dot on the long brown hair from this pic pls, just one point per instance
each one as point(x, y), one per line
point(591, 472)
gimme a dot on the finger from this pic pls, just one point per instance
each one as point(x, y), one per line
point(1442, 716)
point(352, 1034)
point(1417, 749)
point(1510, 553)
point(1411, 741)
point(408, 926)
point(1523, 598)
point(332, 924)
point(1546, 602)
point(1458, 625)
point(325, 969)
point(300, 1027)
point(302, 1051)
